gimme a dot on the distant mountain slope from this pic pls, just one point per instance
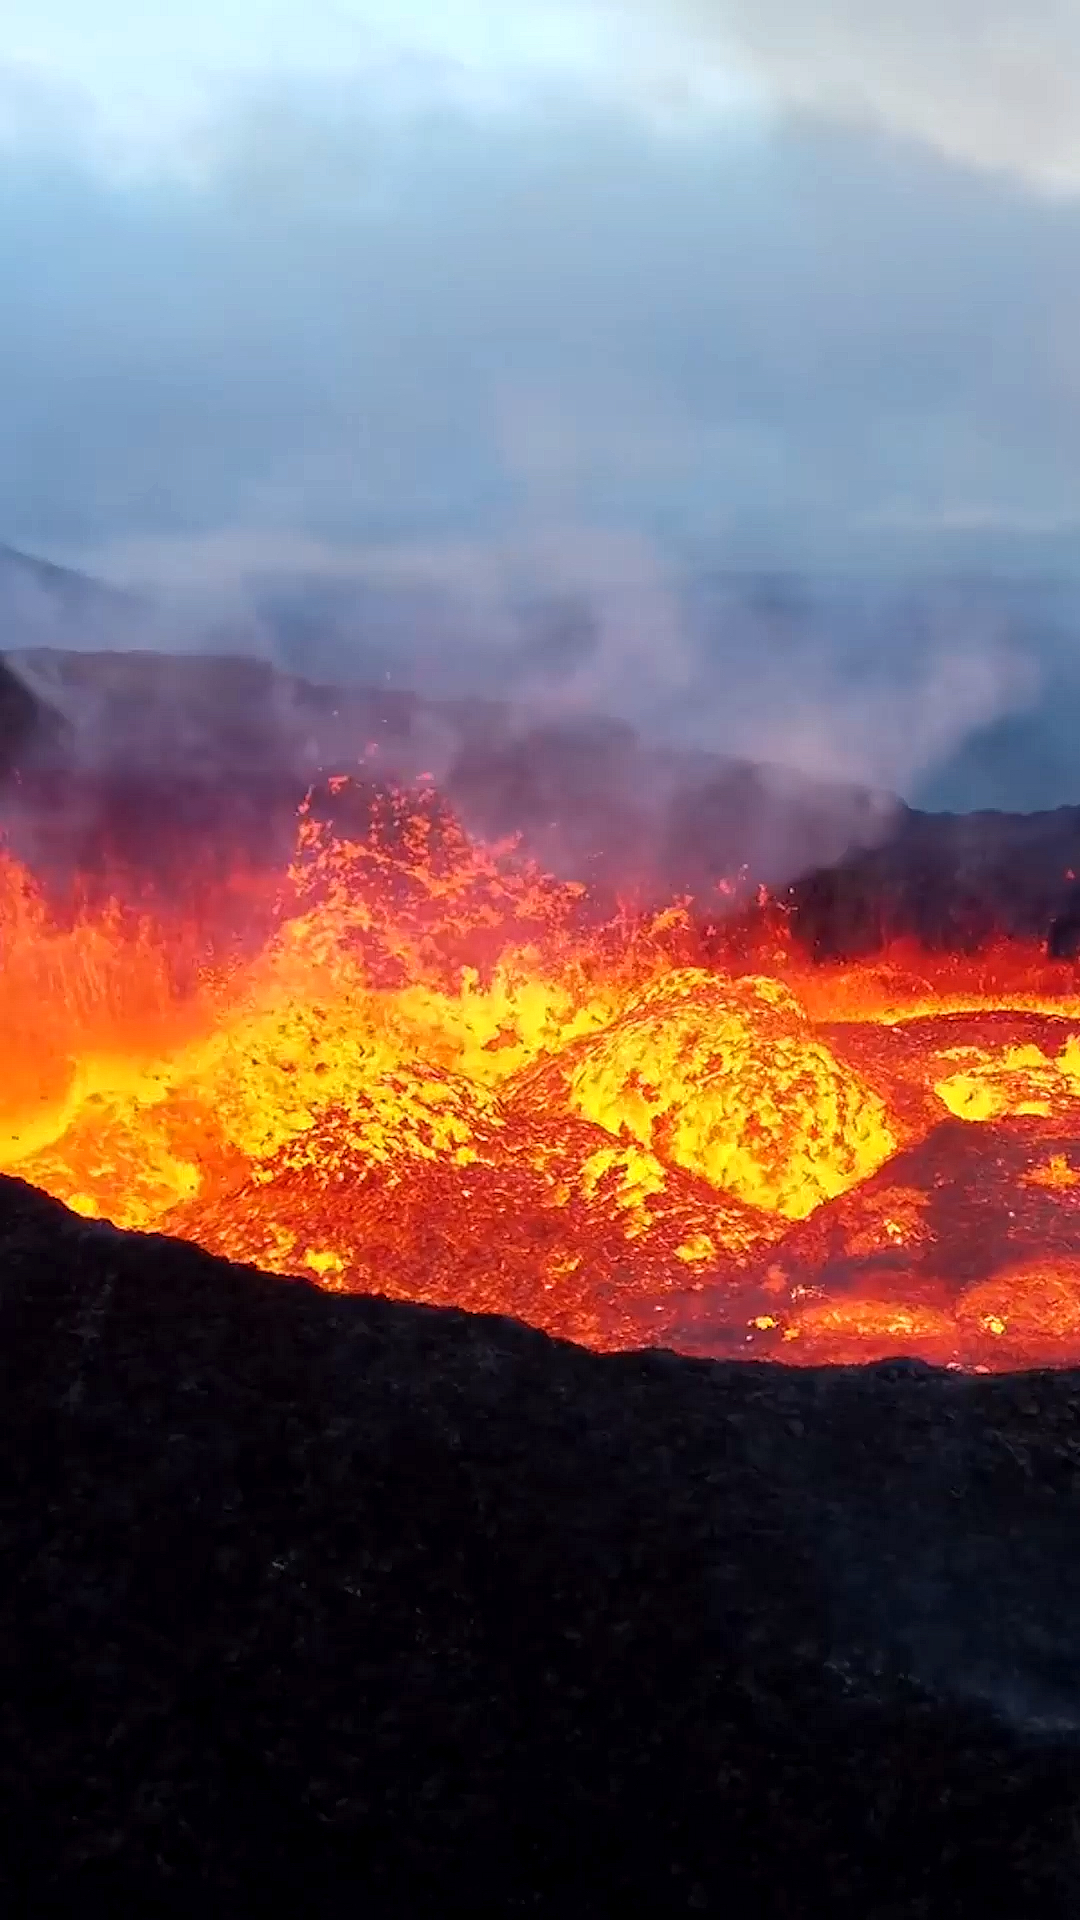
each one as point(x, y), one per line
point(960, 693)
point(200, 743)
point(82, 691)
point(64, 584)
point(46, 605)
point(593, 799)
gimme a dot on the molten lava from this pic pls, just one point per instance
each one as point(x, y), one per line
point(415, 1065)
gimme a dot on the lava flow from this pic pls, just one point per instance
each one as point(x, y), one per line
point(417, 1066)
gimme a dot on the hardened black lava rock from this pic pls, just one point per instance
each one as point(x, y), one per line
point(952, 882)
point(21, 719)
point(361, 1608)
point(1063, 941)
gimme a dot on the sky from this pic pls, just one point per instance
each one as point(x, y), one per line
point(452, 291)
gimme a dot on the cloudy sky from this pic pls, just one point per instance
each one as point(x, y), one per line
point(579, 280)
point(776, 272)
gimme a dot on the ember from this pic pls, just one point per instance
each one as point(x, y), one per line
point(417, 1065)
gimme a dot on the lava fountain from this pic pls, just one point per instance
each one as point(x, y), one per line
point(411, 1064)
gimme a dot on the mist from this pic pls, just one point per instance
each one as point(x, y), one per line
point(744, 410)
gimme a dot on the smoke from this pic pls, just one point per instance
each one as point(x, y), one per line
point(881, 696)
point(565, 617)
point(563, 622)
point(572, 683)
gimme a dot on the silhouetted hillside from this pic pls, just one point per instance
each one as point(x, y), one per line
point(346, 1606)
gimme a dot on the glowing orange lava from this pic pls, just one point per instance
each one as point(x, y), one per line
point(439, 1074)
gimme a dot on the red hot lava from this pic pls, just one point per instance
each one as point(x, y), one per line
point(441, 1075)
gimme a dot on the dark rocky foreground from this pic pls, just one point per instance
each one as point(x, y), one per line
point(365, 1608)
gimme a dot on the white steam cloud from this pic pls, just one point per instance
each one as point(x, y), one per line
point(565, 620)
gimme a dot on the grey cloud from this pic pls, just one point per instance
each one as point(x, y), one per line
point(991, 83)
point(487, 313)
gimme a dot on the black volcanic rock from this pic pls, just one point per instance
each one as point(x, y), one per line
point(949, 881)
point(21, 719)
point(362, 1608)
point(1063, 940)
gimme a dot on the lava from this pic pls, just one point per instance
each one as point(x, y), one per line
point(410, 1063)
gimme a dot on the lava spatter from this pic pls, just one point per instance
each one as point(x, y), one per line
point(726, 1079)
